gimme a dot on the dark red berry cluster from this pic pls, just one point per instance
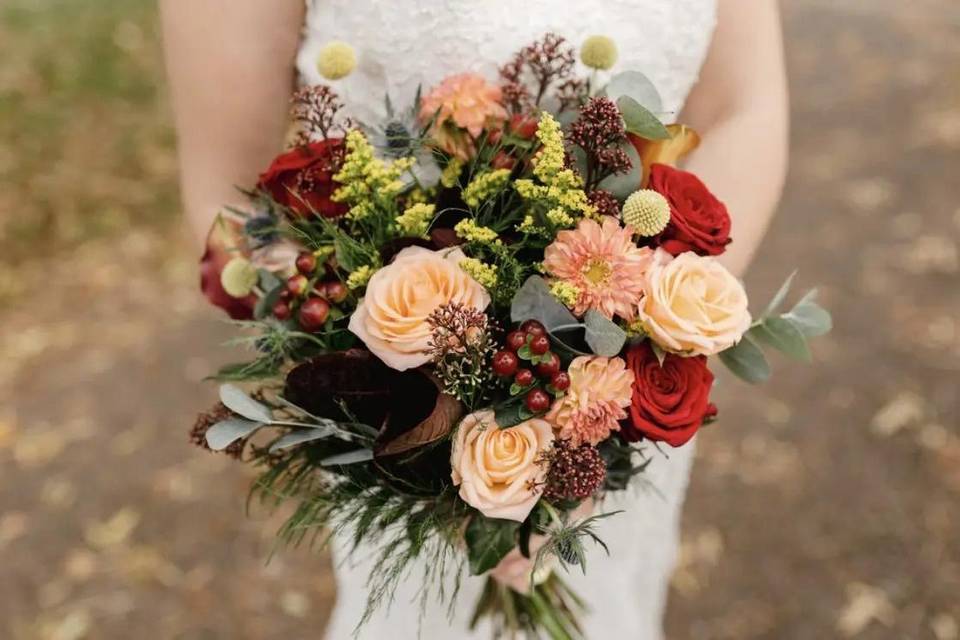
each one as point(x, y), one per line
point(313, 296)
point(576, 473)
point(531, 344)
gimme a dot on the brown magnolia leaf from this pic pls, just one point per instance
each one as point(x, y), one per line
point(354, 379)
point(670, 151)
point(446, 411)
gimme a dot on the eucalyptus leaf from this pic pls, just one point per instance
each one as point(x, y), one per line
point(621, 185)
point(746, 361)
point(602, 334)
point(224, 433)
point(784, 336)
point(640, 121)
point(636, 86)
point(809, 317)
point(533, 301)
point(239, 402)
point(350, 457)
point(267, 280)
point(659, 352)
point(779, 296)
point(295, 438)
point(488, 541)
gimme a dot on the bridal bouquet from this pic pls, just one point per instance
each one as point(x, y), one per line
point(473, 320)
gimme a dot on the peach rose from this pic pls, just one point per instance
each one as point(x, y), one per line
point(693, 305)
point(392, 317)
point(500, 472)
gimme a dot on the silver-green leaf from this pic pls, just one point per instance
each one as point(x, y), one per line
point(224, 433)
point(779, 296)
point(602, 334)
point(533, 301)
point(239, 402)
point(784, 336)
point(295, 438)
point(350, 457)
point(810, 318)
point(746, 361)
point(640, 121)
point(637, 86)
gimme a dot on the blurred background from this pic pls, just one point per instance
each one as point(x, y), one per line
point(824, 505)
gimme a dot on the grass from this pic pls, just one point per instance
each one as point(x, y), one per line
point(86, 145)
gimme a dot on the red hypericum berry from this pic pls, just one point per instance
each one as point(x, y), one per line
point(549, 366)
point(539, 345)
point(523, 377)
point(313, 313)
point(516, 339)
point(494, 136)
point(560, 381)
point(335, 291)
point(505, 363)
point(306, 263)
point(533, 328)
point(297, 285)
point(538, 401)
point(281, 310)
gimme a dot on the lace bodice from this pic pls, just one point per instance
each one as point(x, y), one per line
point(401, 44)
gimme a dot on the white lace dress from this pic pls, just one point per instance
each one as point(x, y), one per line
point(401, 44)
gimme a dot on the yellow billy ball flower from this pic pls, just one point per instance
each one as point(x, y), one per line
point(238, 277)
point(647, 212)
point(336, 60)
point(599, 52)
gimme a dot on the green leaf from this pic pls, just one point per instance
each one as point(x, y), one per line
point(637, 86)
point(779, 296)
point(809, 317)
point(783, 336)
point(488, 541)
point(350, 457)
point(621, 185)
point(224, 433)
point(255, 370)
point(746, 361)
point(534, 301)
point(602, 334)
point(640, 121)
point(512, 412)
point(239, 402)
point(351, 255)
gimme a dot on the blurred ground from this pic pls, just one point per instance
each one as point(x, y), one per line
point(826, 505)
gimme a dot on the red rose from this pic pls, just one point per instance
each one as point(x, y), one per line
point(302, 179)
point(698, 221)
point(670, 401)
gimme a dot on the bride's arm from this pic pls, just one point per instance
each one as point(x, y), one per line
point(739, 106)
point(231, 69)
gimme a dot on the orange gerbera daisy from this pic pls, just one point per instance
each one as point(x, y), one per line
point(603, 263)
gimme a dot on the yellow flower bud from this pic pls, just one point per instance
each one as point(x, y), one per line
point(336, 60)
point(599, 52)
point(647, 212)
point(238, 277)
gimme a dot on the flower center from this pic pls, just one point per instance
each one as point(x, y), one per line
point(596, 272)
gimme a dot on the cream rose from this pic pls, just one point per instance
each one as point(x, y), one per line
point(500, 472)
point(392, 317)
point(692, 304)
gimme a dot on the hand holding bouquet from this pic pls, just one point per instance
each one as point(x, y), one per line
point(470, 320)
